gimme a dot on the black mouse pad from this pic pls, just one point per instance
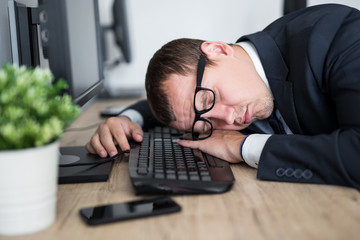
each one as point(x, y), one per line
point(82, 174)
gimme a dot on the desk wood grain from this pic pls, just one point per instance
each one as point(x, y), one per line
point(253, 209)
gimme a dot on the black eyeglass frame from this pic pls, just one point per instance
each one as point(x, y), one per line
point(199, 76)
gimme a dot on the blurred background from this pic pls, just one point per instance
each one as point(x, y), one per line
point(146, 25)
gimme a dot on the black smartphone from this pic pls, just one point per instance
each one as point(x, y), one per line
point(129, 210)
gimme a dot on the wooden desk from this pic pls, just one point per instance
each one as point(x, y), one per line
point(253, 209)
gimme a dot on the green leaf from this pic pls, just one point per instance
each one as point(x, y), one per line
point(32, 110)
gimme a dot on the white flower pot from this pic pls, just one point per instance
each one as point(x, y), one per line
point(28, 188)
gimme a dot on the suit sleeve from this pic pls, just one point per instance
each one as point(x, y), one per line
point(322, 159)
point(143, 108)
point(334, 157)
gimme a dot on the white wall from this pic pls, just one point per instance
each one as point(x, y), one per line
point(154, 23)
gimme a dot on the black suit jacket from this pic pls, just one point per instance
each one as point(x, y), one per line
point(312, 60)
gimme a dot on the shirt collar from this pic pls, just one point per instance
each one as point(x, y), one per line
point(252, 52)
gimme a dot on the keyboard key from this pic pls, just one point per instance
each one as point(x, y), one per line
point(170, 176)
point(142, 171)
point(183, 177)
point(159, 170)
point(205, 178)
point(159, 175)
point(194, 178)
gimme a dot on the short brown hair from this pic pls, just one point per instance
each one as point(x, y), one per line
point(176, 57)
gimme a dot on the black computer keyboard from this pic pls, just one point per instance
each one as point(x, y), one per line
point(160, 165)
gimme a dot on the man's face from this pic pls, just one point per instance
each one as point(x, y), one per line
point(241, 97)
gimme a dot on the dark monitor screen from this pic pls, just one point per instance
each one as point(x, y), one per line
point(120, 28)
point(63, 35)
point(70, 38)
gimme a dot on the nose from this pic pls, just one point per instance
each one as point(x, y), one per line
point(221, 113)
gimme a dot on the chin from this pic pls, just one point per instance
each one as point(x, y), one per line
point(242, 127)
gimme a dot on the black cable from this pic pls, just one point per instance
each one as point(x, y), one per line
point(95, 163)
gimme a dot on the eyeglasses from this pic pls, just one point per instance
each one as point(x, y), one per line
point(204, 100)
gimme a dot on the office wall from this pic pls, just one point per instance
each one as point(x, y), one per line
point(153, 23)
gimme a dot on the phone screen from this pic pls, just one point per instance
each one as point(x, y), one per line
point(129, 210)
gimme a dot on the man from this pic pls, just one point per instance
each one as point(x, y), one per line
point(292, 89)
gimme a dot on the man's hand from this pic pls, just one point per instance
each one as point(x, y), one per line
point(119, 129)
point(222, 144)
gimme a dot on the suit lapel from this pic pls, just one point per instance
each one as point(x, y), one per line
point(284, 102)
point(276, 71)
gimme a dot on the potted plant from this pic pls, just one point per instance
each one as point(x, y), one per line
point(33, 115)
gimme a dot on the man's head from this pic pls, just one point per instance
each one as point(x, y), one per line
point(241, 97)
point(178, 57)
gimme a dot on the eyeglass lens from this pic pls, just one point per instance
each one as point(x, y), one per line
point(204, 100)
point(202, 129)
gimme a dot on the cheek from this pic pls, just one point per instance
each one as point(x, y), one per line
point(231, 90)
point(241, 93)
point(231, 94)
point(243, 84)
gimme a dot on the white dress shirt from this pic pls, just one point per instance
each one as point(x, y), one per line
point(253, 145)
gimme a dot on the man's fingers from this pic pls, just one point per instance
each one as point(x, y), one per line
point(95, 146)
point(118, 129)
point(188, 143)
point(106, 140)
point(90, 149)
point(120, 138)
point(136, 132)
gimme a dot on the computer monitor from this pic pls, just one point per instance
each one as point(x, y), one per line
point(70, 36)
point(65, 35)
point(115, 36)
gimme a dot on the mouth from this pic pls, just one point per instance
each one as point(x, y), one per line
point(246, 119)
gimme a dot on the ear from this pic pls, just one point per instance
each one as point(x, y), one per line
point(211, 49)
